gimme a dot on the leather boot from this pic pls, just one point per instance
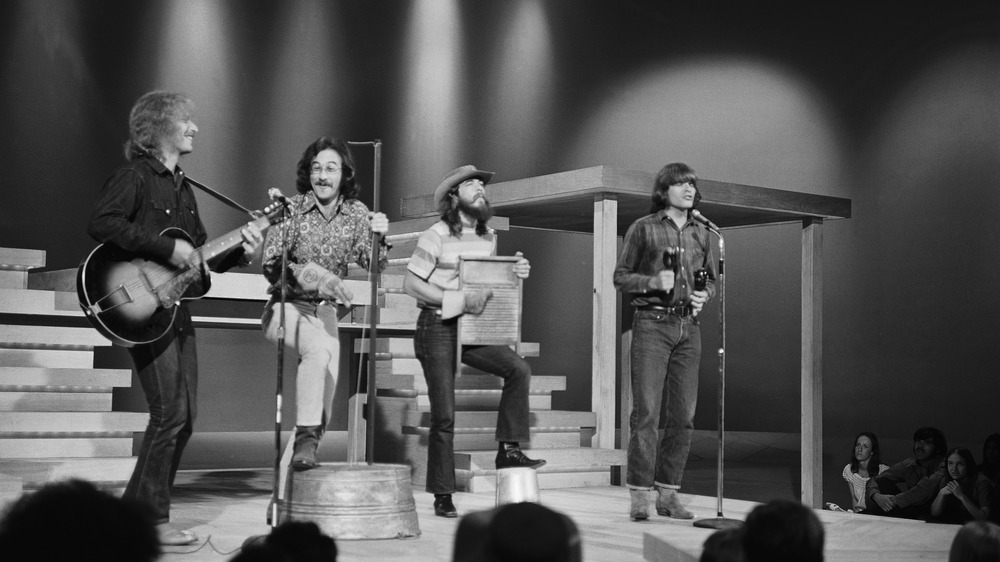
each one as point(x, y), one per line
point(509, 455)
point(304, 451)
point(669, 503)
point(639, 510)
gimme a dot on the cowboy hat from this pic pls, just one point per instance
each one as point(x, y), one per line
point(457, 176)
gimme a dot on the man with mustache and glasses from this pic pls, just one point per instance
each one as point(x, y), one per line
point(328, 228)
point(432, 279)
point(908, 487)
point(661, 254)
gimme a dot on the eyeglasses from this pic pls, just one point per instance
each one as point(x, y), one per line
point(330, 169)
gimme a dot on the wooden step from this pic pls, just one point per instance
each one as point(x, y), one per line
point(539, 384)
point(20, 259)
point(576, 459)
point(94, 380)
point(487, 421)
point(103, 472)
point(39, 302)
point(54, 447)
point(13, 279)
point(51, 337)
point(14, 424)
point(47, 358)
point(12, 401)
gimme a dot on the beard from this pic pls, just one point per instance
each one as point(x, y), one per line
point(481, 212)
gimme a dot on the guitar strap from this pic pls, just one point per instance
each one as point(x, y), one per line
point(220, 196)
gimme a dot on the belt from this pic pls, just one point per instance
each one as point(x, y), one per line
point(678, 310)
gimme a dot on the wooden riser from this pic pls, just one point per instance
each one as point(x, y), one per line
point(578, 459)
point(469, 381)
point(43, 303)
point(52, 337)
point(22, 423)
point(94, 379)
point(35, 473)
point(485, 401)
point(21, 258)
point(11, 279)
point(538, 421)
point(46, 358)
point(55, 401)
point(87, 447)
point(467, 482)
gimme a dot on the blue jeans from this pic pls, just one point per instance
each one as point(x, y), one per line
point(434, 344)
point(168, 372)
point(666, 349)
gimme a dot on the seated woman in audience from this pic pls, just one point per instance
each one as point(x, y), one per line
point(965, 493)
point(991, 459)
point(866, 461)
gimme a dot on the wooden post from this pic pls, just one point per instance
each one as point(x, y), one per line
point(812, 362)
point(604, 320)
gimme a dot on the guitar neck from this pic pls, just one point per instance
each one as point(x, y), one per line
point(230, 240)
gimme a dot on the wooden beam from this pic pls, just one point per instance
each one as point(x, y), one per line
point(812, 362)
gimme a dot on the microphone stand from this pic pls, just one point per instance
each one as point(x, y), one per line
point(373, 264)
point(720, 522)
point(272, 516)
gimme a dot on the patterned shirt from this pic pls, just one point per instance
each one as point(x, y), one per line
point(435, 259)
point(332, 244)
point(642, 258)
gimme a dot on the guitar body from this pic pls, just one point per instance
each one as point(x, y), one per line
point(131, 300)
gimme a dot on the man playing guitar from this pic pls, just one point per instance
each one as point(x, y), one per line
point(137, 203)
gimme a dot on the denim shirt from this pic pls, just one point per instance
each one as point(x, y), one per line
point(642, 259)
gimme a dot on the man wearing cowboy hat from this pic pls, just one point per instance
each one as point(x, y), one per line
point(432, 279)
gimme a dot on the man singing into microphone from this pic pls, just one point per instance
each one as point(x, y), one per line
point(666, 339)
point(328, 229)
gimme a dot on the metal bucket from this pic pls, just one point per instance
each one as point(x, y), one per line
point(353, 501)
point(516, 485)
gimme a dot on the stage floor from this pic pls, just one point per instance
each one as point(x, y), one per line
point(227, 507)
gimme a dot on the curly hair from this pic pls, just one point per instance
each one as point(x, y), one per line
point(151, 119)
point(673, 174)
point(348, 186)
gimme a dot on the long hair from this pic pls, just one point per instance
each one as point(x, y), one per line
point(348, 186)
point(971, 470)
point(673, 174)
point(450, 214)
point(874, 461)
point(151, 119)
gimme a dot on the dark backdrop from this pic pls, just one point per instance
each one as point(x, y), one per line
point(894, 108)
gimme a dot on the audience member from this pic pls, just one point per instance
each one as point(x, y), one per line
point(965, 493)
point(521, 532)
point(782, 530)
point(291, 541)
point(725, 545)
point(990, 468)
point(73, 520)
point(908, 487)
point(866, 461)
point(977, 541)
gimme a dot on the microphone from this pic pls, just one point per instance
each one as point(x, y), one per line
point(275, 195)
point(696, 214)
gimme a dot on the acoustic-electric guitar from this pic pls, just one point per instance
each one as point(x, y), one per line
point(132, 300)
